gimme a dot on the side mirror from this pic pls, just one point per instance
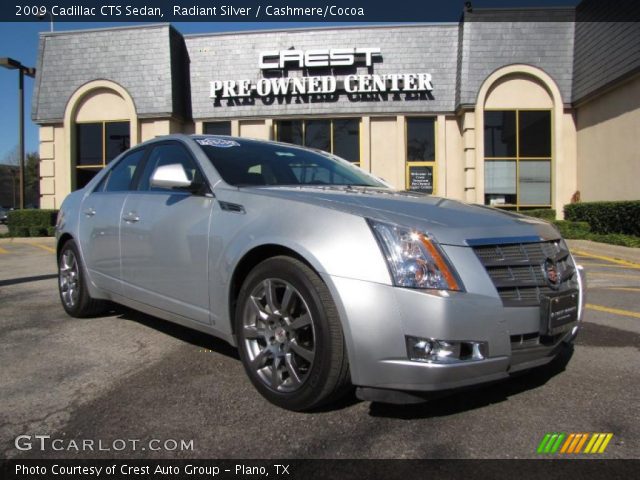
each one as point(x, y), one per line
point(170, 176)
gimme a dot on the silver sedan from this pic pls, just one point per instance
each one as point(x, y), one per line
point(322, 275)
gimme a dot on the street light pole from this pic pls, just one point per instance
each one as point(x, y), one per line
point(12, 64)
point(21, 134)
point(40, 17)
point(13, 188)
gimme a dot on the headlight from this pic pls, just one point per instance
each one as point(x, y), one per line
point(413, 259)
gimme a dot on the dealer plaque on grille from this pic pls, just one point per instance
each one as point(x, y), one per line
point(558, 312)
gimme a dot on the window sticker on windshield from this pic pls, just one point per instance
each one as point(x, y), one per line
point(217, 142)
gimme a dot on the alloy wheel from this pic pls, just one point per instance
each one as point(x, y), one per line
point(69, 278)
point(279, 335)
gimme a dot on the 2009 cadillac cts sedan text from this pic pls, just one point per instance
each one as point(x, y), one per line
point(322, 275)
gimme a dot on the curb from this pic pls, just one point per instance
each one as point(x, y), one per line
point(605, 251)
point(30, 240)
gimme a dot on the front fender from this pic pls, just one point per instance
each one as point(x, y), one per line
point(334, 243)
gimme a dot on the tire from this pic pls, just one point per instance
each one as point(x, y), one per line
point(72, 284)
point(289, 336)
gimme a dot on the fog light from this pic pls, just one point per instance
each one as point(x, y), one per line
point(444, 351)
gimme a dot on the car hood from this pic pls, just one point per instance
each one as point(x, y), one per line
point(451, 222)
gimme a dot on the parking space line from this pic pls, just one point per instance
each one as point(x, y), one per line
point(615, 311)
point(624, 289)
point(582, 253)
point(47, 248)
point(43, 247)
point(607, 265)
point(620, 275)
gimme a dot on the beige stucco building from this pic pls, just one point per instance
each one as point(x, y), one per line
point(504, 108)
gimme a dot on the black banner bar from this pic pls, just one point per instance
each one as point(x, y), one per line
point(319, 469)
point(319, 11)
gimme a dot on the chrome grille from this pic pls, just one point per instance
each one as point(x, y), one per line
point(517, 270)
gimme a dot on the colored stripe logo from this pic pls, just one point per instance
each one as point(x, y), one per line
point(574, 443)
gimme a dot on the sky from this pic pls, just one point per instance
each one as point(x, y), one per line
point(20, 41)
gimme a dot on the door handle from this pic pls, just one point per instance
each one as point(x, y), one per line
point(131, 217)
point(89, 212)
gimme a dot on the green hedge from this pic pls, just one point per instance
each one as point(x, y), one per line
point(581, 231)
point(615, 239)
point(32, 223)
point(575, 230)
point(607, 217)
point(548, 214)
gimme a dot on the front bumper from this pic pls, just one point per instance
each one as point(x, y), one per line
point(377, 317)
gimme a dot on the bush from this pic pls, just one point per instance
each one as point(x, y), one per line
point(32, 223)
point(548, 214)
point(616, 239)
point(607, 217)
point(574, 230)
point(19, 232)
point(581, 231)
point(38, 231)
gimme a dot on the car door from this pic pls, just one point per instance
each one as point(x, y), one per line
point(164, 239)
point(100, 222)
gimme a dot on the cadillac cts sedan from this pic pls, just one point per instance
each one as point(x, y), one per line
point(322, 275)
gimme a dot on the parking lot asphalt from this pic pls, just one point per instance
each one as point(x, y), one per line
point(131, 376)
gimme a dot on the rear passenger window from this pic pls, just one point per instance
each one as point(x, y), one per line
point(121, 176)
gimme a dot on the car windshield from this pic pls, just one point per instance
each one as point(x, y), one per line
point(250, 163)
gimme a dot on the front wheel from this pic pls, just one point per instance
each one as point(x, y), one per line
point(289, 335)
point(72, 285)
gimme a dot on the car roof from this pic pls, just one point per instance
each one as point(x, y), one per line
point(241, 140)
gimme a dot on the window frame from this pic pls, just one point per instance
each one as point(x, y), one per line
point(205, 123)
point(331, 134)
point(518, 206)
point(104, 163)
point(421, 163)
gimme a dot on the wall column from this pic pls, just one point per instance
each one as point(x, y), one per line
point(401, 152)
point(47, 167)
point(441, 157)
point(469, 151)
point(365, 143)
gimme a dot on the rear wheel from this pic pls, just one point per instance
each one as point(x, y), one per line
point(72, 284)
point(289, 335)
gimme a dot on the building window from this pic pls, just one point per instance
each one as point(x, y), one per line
point(97, 144)
point(346, 139)
point(421, 154)
point(317, 134)
point(517, 146)
point(217, 128)
point(340, 136)
point(290, 131)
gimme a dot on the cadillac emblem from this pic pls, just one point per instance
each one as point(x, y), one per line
point(552, 272)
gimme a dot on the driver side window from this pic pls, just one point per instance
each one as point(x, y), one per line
point(121, 176)
point(168, 154)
